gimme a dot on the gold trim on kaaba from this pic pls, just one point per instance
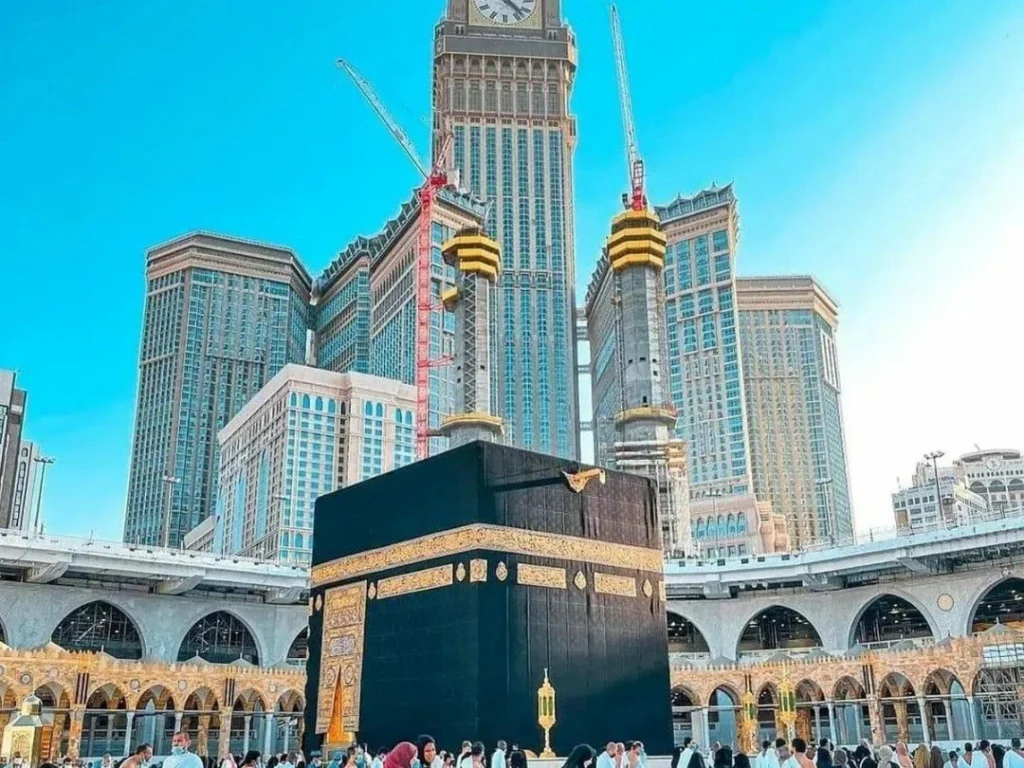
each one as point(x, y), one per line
point(647, 588)
point(580, 580)
point(460, 572)
point(661, 591)
point(417, 581)
point(540, 576)
point(501, 571)
point(341, 655)
point(372, 591)
point(610, 584)
point(483, 536)
point(477, 570)
point(578, 480)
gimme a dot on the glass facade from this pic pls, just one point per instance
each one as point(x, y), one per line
point(703, 347)
point(792, 391)
point(211, 339)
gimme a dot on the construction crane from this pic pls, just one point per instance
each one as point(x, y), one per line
point(637, 199)
point(434, 179)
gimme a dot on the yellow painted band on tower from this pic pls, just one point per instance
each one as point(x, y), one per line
point(450, 298)
point(478, 267)
point(631, 215)
point(637, 260)
point(633, 246)
point(637, 233)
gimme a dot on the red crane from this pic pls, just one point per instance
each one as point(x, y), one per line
point(638, 194)
point(434, 179)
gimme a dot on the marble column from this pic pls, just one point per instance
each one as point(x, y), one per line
point(224, 740)
point(833, 732)
point(706, 726)
point(287, 733)
point(129, 726)
point(925, 731)
point(177, 721)
point(75, 734)
point(268, 729)
point(877, 724)
point(245, 734)
point(817, 724)
point(948, 710)
point(973, 721)
point(902, 724)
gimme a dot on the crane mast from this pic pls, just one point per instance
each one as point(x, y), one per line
point(434, 179)
point(638, 195)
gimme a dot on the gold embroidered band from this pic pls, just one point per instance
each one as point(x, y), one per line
point(540, 576)
point(496, 538)
point(417, 581)
point(610, 584)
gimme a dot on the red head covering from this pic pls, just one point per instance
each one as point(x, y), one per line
point(401, 756)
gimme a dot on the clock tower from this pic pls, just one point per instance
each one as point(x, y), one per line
point(503, 73)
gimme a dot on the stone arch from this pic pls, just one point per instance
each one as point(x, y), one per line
point(119, 635)
point(192, 641)
point(990, 589)
point(248, 699)
point(847, 688)
point(942, 680)
point(758, 634)
point(53, 694)
point(298, 651)
point(111, 693)
point(683, 693)
point(290, 700)
point(684, 636)
point(161, 697)
point(201, 699)
point(722, 715)
point(808, 690)
point(895, 597)
point(897, 704)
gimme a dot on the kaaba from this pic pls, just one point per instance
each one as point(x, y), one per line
point(443, 593)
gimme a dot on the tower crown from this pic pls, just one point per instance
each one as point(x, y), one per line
point(473, 251)
point(636, 239)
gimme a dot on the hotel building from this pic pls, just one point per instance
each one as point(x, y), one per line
point(502, 81)
point(306, 433)
point(222, 316)
point(791, 381)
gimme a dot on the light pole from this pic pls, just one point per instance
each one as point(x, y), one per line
point(170, 482)
point(934, 457)
point(43, 462)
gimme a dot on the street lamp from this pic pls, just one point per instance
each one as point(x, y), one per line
point(934, 457)
point(170, 482)
point(43, 462)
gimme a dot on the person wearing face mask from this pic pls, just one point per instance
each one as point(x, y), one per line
point(180, 756)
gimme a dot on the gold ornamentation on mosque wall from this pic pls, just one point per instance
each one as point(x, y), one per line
point(417, 581)
point(540, 576)
point(610, 584)
point(73, 677)
point(477, 570)
point(480, 536)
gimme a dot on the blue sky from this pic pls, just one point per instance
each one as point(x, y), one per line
point(877, 145)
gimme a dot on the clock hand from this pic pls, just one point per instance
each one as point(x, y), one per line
point(518, 11)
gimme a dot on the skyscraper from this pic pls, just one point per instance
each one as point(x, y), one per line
point(634, 416)
point(703, 348)
point(306, 433)
point(12, 420)
point(222, 316)
point(502, 77)
point(791, 382)
point(364, 313)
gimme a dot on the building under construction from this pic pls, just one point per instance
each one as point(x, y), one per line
point(364, 318)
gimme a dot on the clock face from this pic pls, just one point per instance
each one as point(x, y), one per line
point(993, 463)
point(506, 12)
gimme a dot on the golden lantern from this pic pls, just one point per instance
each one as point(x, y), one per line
point(748, 723)
point(546, 713)
point(787, 705)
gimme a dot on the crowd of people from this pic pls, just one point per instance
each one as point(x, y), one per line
point(424, 753)
point(799, 754)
